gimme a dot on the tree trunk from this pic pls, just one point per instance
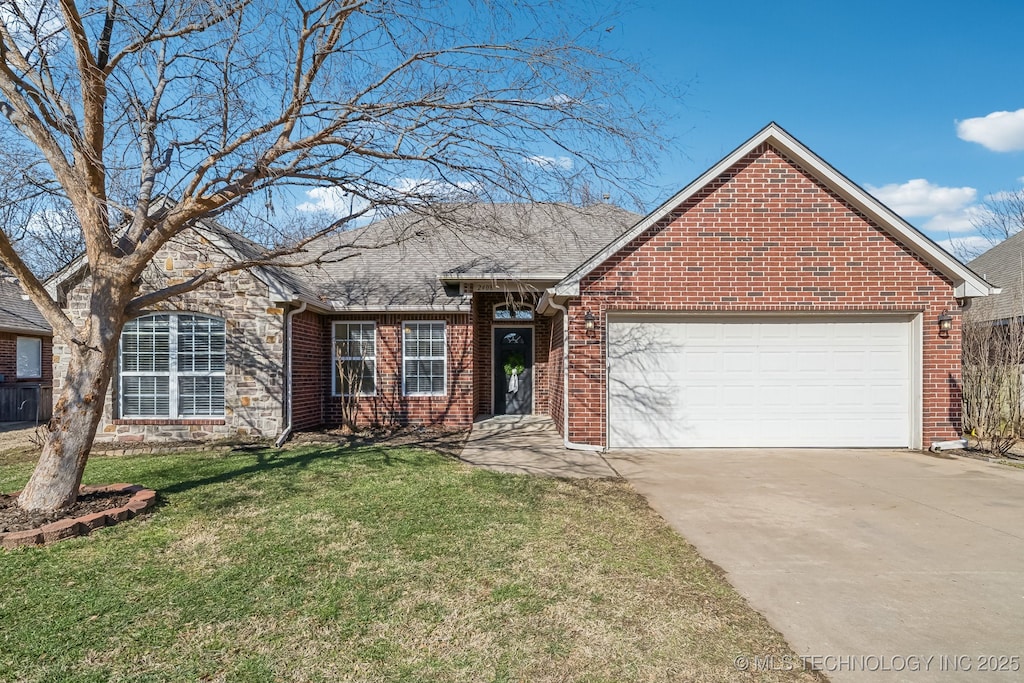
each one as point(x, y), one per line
point(76, 415)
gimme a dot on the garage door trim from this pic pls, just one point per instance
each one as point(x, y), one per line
point(915, 359)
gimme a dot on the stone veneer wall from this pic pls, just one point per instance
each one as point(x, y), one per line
point(254, 379)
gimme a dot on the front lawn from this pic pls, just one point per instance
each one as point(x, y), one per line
point(370, 564)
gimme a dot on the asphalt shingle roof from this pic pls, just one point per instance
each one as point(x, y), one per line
point(18, 314)
point(399, 262)
point(1003, 266)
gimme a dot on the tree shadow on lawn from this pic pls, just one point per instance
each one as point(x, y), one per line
point(268, 460)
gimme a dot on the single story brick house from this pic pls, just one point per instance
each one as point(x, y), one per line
point(26, 366)
point(771, 302)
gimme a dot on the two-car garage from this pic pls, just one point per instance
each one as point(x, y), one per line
point(763, 381)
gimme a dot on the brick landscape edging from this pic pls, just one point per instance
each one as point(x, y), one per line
point(142, 499)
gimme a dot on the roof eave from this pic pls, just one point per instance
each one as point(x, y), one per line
point(27, 331)
point(464, 277)
point(340, 307)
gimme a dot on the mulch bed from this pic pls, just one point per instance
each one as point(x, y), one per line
point(979, 454)
point(13, 518)
point(96, 507)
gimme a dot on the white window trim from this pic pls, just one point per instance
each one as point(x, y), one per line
point(443, 359)
point(172, 374)
point(335, 357)
point(39, 355)
point(520, 305)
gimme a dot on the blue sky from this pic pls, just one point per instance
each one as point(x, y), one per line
point(875, 88)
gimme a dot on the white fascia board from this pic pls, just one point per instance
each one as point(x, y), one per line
point(339, 307)
point(966, 290)
point(550, 296)
point(63, 275)
point(777, 137)
point(566, 289)
point(487, 277)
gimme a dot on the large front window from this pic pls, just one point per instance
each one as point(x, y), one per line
point(423, 358)
point(355, 359)
point(172, 366)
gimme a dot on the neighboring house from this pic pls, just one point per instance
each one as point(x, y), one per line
point(26, 365)
point(772, 302)
point(1003, 266)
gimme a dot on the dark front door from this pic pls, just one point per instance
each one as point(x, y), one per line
point(513, 370)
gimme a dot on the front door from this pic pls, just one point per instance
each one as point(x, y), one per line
point(513, 370)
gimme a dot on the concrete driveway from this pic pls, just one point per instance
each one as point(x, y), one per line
point(869, 561)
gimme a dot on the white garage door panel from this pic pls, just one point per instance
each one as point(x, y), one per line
point(740, 383)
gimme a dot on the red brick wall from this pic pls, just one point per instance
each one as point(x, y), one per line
point(390, 407)
point(765, 237)
point(9, 359)
point(307, 370)
point(483, 373)
point(556, 382)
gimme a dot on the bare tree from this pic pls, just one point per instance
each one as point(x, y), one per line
point(998, 218)
point(993, 359)
point(144, 116)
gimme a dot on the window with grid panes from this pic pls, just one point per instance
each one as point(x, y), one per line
point(355, 359)
point(423, 358)
point(172, 366)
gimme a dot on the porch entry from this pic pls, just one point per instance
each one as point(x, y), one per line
point(513, 370)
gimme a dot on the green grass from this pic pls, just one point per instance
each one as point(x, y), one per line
point(369, 564)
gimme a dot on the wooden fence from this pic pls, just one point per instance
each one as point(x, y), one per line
point(26, 403)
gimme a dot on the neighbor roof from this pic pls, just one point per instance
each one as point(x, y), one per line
point(1003, 266)
point(404, 262)
point(966, 282)
point(18, 313)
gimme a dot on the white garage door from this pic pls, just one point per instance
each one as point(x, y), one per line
point(745, 382)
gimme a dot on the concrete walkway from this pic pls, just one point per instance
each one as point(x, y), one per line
point(529, 444)
point(868, 557)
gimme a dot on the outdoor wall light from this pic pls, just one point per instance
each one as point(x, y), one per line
point(588, 321)
point(945, 322)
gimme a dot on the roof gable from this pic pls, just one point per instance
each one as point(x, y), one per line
point(233, 245)
point(966, 282)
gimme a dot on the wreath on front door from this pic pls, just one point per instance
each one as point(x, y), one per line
point(515, 364)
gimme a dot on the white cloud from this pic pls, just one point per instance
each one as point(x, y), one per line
point(562, 163)
point(962, 220)
point(557, 99)
point(1005, 196)
point(919, 197)
point(425, 189)
point(338, 203)
point(1000, 131)
point(333, 201)
point(966, 247)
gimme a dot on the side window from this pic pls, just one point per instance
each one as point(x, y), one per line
point(29, 364)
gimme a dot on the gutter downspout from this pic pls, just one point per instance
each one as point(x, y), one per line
point(288, 377)
point(565, 390)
